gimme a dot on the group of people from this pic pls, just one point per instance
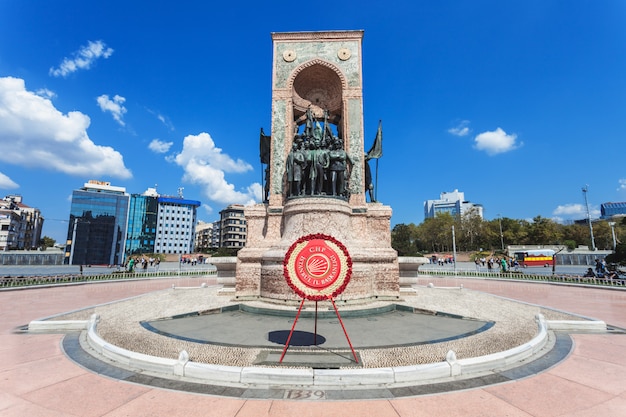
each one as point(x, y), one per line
point(601, 271)
point(142, 263)
point(503, 263)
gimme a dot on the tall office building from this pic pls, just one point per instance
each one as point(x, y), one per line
point(451, 202)
point(160, 224)
point(233, 228)
point(142, 223)
point(97, 227)
point(176, 225)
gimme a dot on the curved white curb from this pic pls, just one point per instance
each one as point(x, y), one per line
point(368, 377)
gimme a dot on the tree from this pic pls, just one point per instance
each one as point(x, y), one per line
point(602, 235)
point(576, 233)
point(470, 226)
point(544, 231)
point(435, 234)
point(619, 257)
point(403, 240)
point(47, 242)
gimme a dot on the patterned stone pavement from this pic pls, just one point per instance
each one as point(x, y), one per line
point(37, 379)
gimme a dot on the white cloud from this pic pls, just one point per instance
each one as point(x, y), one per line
point(159, 146)
point(575, 211)
point(206, 165)
point(622, 185)
point(496, 142)
point(82, 59)
point(7, 183)
point(115, 106)
point(33, 133)
point(207, 209)
point(45, 93)
point(462, 129)
point(570, 210)
point(163, 119)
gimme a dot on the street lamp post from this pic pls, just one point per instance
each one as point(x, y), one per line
point(453, 250)
point(612, 224)
point(501, 235)
point(593, 242)
point(71, 262)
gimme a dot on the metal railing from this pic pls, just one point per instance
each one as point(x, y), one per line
point(518, 276)
point(25, 281)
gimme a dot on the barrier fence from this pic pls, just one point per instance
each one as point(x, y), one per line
point(25, 281)
point(518, 276)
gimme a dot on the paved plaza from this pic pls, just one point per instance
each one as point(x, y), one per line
point(38, 379)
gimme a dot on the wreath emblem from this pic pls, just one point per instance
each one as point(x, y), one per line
point(317, 267)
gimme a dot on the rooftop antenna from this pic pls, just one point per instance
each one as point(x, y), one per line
point(180, 192)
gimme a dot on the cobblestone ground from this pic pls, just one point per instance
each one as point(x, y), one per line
point(515, 324)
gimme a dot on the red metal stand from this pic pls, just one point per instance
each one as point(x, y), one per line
point(344, 329)
point(291, 332)
point(315, 334)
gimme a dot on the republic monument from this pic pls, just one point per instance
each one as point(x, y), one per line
point(316, 171)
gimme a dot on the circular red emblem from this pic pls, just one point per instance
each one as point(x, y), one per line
point(317, 267)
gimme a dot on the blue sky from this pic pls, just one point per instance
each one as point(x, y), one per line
point(518, 104)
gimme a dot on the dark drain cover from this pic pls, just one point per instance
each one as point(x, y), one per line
point(298, 338)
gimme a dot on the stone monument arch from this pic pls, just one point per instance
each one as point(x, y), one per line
point(316, 172)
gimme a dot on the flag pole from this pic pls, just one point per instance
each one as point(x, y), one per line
point(376, 186)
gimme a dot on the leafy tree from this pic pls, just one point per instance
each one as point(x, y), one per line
point(577, 233)
point(47, 242)
point(619, 256)
point(602, 235)
point(470, 229)
point(403, 240)
point(544, 231)
point(436, 233)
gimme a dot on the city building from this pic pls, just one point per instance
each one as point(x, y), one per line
point(141, 231)
point(160, 224)
point(451, 202)
point(176, 225)
point(20, 225)
point(215, 234)
point(204, 234)
point(233, 228)
point(611, 210)
point(96, 232)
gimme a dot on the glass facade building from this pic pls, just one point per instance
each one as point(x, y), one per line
point(97, 227)
point(142, 224)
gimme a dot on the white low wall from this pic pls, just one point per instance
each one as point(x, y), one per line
point(374, 377)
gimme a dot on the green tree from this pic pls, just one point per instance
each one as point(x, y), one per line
point(544, 231)
point(602, 235)
point(47, 242)
point(470, 228)
point(435, 234)
point(577, 233)
point(619, 256)
point(403, 239)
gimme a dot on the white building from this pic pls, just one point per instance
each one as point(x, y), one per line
point(20, 225)
point(451, 202)
point(176, 225)
point(204, 232)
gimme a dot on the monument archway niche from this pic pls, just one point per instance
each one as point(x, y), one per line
point(316, 172)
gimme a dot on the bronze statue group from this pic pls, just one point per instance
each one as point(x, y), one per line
point(317, 163)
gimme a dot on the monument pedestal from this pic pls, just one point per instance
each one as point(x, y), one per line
point(363, 230)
